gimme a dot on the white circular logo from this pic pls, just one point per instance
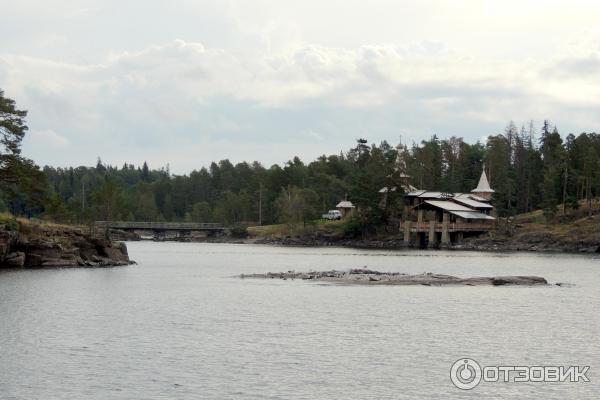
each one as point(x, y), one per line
point(465, 373)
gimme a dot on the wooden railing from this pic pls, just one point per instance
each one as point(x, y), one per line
point(166, 226)
point(424, 226)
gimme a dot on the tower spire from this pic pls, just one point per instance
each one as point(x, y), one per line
point(483, 189)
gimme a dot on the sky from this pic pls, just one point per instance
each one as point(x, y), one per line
point(185, 83)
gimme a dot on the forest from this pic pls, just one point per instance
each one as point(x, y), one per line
point(529, 167)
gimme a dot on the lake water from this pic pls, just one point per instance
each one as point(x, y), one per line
point(179, 326)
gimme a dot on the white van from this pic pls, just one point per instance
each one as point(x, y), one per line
point(332, 215)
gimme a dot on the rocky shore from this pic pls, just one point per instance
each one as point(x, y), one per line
point(535, 243)
point(364, 276)
point(487, 243)
point(33, 245)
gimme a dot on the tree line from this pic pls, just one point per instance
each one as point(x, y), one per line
point(529, 168)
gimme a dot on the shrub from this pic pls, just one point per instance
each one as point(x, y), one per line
point(239, 231)
point(353, 227)
point(10, 223)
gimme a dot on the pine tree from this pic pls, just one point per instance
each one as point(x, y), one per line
point(145, 172)
point(12, 132)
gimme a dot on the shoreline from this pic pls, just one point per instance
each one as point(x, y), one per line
point(398, 244)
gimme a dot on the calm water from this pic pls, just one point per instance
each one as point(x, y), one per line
point(178, 326)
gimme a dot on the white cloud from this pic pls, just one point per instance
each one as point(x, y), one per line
point(47, 140)
point(269, 74)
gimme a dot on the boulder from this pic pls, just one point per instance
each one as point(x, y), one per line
point(117, 251)
point(15, 260)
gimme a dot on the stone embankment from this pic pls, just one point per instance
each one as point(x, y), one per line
point(364, 276)
point(31, 245)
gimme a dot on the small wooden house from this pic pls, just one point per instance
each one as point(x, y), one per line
point(346, 208)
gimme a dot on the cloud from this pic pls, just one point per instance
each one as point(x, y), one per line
point(47, 139)
point(181, 93)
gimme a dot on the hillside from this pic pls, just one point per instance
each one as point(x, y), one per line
point(571, 232)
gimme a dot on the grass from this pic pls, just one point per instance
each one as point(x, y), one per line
point(574, 226)
point(36, 228)
point(321, 227)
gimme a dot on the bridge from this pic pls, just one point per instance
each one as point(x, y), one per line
point(161, 230)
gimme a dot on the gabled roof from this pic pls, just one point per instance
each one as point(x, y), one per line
point(447, 205)
point(484, 185)
point(471, 215)
point(470, 196)
point(424, 194)
point(472, 203)
point(345, 204)
point(416, 193)
point(431, 195)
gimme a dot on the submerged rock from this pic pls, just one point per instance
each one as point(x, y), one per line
point(370, 277)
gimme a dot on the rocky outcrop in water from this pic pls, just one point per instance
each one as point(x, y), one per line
point(364, 276)
point(34, 245)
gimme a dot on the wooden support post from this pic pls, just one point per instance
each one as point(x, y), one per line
point(445, 233)
point(432, 238)
point(459, 237)
point(406, 233)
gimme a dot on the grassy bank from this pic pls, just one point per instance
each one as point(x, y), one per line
point(569, 231)
point(321, 228)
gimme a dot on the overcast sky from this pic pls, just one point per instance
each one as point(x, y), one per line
point(188, 82)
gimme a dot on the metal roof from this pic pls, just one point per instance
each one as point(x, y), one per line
point(345, 204)
point(472, 203)
point(478, 198)
point(447, 205)
point(471, 215)
point(431, 195)
point(424, 194)
point(462, 194)
point(470, 196)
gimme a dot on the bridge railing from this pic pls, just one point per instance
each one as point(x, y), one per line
point(159, 225)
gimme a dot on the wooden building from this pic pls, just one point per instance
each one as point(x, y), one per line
point(438, 218)
point(346, 208)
